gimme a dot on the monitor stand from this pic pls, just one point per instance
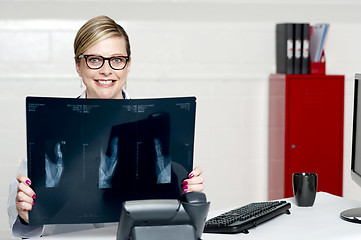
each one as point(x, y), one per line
point(351, 215)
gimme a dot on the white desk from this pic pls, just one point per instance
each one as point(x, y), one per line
point(321, 221)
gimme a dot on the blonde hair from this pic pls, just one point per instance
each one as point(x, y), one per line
point(96, 30)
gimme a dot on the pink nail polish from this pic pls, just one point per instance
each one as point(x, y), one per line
point(34, 196)
point(33, 202)
point(185, 187)
point(185, 191)
point(28, 182)
point(185, 183)
point(191, 175)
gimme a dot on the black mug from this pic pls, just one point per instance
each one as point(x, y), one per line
point(304, 188)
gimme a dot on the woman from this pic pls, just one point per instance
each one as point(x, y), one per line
point(102, 60)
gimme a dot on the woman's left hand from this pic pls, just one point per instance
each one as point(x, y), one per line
point(194, 182)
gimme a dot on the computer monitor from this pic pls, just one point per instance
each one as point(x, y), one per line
point(354, 215)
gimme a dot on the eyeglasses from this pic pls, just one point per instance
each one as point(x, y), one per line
point(96, 62)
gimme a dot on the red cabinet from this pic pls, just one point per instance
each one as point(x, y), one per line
point(305, 131)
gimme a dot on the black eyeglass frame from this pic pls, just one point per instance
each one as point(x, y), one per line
point(104, 59)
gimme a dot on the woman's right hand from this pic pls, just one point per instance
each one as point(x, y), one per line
point(25, 197)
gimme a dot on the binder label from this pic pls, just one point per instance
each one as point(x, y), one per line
point(289, 48)
point(298, 46)
point(306, 50)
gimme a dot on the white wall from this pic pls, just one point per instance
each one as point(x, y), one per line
point(219, 51)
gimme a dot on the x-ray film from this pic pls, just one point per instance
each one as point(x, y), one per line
point(87, 156)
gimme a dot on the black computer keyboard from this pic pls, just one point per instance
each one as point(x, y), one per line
point(243, 218)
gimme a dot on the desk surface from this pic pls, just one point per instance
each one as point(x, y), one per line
point(321, 221)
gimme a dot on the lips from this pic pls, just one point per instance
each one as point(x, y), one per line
point(105, 82)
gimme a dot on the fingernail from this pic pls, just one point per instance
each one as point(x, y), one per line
point(185, 183)
point(28, 182)
point(34, 196)
point(185, 191)
point(33, 202)
point(191, 175)
point(185, 187)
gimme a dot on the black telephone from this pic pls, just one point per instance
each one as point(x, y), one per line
point(164, 219)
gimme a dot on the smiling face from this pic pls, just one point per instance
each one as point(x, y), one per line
point(104, 82)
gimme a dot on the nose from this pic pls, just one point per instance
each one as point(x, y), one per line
point(106, 69)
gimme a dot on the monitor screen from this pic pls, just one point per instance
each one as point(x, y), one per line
point(87, 156)
point(356, 133)
point(354, 215)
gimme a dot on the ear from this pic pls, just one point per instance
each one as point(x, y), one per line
point(77, 67)
point(128, 65)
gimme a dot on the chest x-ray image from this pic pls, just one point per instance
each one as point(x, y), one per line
point(87, 156)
